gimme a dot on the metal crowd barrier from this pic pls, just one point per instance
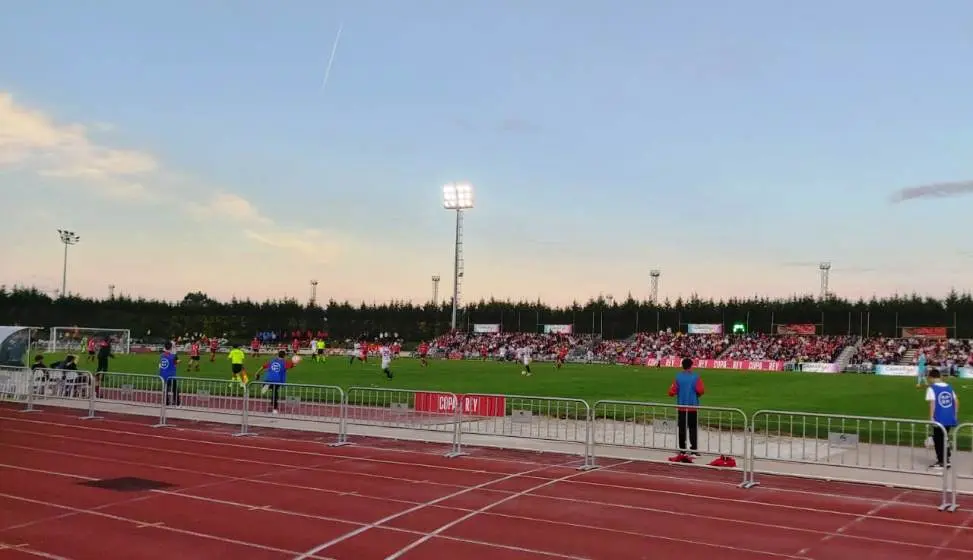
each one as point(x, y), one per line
point(13, 383)
point(721, 431)
point(397, 409)
point(132, 389)
point(961, 460)
point(552, 419)
point(315, 403)
point(833, 440)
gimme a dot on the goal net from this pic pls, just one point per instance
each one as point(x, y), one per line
point(75, 339)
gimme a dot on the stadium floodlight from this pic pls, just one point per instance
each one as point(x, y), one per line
point(68, 238)
point(458, 197)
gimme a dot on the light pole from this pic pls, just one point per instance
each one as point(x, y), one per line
point(314, 293)
point(68, 238)
point(435, 290)
point(111, 291)
point(458, 197)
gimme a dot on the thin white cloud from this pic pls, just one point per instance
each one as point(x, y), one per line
point(34, 141)
point(29, 138)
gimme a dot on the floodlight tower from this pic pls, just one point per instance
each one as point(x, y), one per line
point(458, 197)
point(314, 293)
point(654, 285)
point(435, 290)
point(68, 238)
point(825, 269)
point(111, 291)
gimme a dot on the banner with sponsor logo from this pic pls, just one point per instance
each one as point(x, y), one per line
point(818, 367)
point(753, 365)
point(896, 370)
point(924, 332)
point(694, 328)
point(558, 329)
point(807, 328)
point(965, 372)
point(473, 405)
point(486, 328)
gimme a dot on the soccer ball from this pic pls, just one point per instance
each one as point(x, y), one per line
point(296, 359)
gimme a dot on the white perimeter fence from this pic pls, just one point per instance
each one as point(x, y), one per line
point(887, 451)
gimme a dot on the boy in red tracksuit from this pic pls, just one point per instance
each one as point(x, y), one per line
point(687, 387)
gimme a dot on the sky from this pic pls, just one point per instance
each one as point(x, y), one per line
point(194, 145)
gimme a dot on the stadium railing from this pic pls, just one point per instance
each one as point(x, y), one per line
point(393, 410)
point(321, 404)
point(722, 431)
point(961, 461)
point(209, 396)
point(129, 389)
point(546, 419)
point(824, 441)
point(13, 383)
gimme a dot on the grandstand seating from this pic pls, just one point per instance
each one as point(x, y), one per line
point(788, 347)
point(663, 345)
point(939, 352)
point(492, 343)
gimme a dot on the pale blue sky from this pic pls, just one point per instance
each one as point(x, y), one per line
point(731, 144)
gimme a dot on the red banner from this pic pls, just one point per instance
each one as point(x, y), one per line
point(924, 332)
point(752, 365)
point(473, 405)
point(796, 329)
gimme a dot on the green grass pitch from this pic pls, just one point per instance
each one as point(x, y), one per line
point(847, 394)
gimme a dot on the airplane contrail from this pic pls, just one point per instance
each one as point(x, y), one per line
point(938, 190)
point(334, 52)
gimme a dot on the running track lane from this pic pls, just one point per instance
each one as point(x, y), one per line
point(566, 520)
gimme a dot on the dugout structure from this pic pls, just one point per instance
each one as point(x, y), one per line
point(15, 344)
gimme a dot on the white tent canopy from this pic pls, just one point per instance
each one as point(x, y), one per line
point(14, 345)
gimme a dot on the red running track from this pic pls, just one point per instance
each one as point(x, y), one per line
point(285, 495)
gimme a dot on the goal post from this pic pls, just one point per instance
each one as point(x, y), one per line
point(72, 339)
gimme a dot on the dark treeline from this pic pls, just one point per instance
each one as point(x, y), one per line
point(240, 319)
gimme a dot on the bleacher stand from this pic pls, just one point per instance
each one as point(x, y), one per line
point(506, 345)
point(644, 346)
point(785, 348)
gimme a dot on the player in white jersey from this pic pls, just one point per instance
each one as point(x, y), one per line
point(525, 358)
point(355, 352)
point(386, 354)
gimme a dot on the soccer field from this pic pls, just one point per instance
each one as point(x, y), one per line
point(847, 394)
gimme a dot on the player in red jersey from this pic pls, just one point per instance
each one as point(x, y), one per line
point(483, 352)
point(423, 353)
point(296, 345)
point(214, 346)
point(255, 347)
point(364, 352)
point(562, 355)
point(193, 356)
point(91, 349)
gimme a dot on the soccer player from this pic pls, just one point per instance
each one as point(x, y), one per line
point(423, 354)
point(386, 353)
point(237, 357)
point(255, 347)
point(104, 353)
point(483, 352)
point(562, 355)
point(355, 352)
point(214, 346)
point(364, 352)
point(943, 409)
point(921, 370)
point(687, 387)
point(193, 356)
point(90, 346)
point(167, 372)
point(525, 359)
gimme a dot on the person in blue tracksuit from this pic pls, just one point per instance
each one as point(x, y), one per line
point(167, 372)
point(921, 370)
point(687, 388)
point(274, 375)
point(944, 410)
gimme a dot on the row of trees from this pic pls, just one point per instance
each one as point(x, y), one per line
point(240, 319)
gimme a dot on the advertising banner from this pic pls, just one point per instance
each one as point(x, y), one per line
point(694, 328)
point(486, 328)
point(558, 329)
point(752, 365)
point(473, 405)
point(896, 370)
point(923, 332)
point(797, 329)
point(965, 372)
point(818, 367)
